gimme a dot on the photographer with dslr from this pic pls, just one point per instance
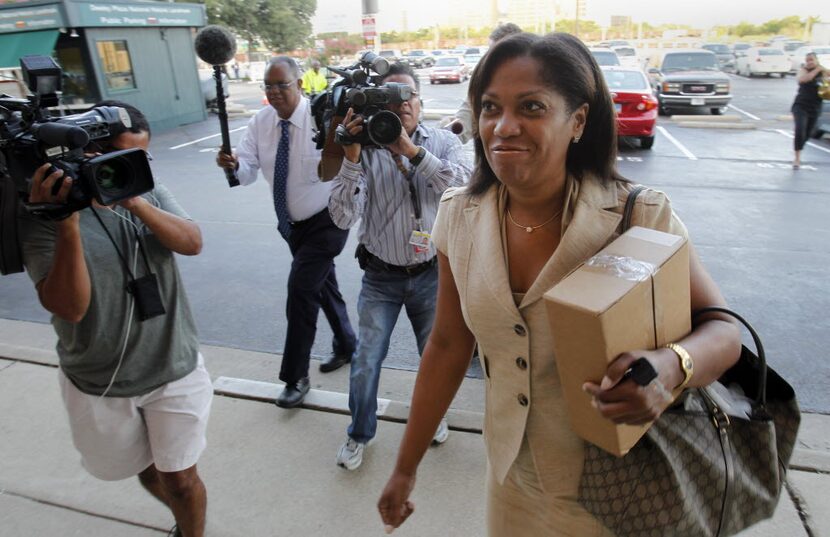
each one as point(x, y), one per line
point(131, 375)
point(394, 191)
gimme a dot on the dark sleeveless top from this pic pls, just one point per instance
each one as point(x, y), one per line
point(807, 97)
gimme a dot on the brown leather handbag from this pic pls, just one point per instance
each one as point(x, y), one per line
point(711, 465)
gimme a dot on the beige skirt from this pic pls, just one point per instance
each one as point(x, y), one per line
point(520, 508)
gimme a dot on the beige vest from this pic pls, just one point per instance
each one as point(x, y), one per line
point(523, 395)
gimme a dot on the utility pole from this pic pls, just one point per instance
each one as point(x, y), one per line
point(371, 31)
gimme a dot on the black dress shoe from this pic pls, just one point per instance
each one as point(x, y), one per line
point(335, 361)
point(293, 394)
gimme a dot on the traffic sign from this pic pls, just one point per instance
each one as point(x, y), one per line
point(369, 27)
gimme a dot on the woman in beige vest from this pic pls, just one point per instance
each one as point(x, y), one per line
point(545, 196)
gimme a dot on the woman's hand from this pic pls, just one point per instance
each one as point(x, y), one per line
point(626, 402)
point(394, 505)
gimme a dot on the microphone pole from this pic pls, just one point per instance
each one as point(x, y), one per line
point(216, 46)
point(222, 112)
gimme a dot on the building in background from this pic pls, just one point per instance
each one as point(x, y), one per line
point(137, 52)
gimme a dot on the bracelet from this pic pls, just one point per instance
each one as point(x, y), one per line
point(687, 365)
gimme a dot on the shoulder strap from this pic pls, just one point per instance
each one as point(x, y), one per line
point(629, 206)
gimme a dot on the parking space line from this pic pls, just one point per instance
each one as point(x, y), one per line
point(811, 144)
point(744, 112)
point(677, 144)
point(205, 138)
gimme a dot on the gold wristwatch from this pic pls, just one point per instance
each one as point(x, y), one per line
point(686, 364)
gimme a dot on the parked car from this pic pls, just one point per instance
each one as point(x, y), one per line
point(689, 80)
point(726, 58)
point(614, 43)
point(763, 61)
point(208, 85)
point(634, 103)
point(627, 57)
point(472, 60)
point(419, 59)
point(823, 123)
point(391, 55)
point(797, 59)
point(605, 56)
point(449, 69)
point(475, 51)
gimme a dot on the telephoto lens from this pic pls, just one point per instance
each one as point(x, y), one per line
point(384, 127)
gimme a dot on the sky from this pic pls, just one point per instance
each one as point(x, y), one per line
point(344, 15)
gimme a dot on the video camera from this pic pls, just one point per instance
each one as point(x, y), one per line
point(29, 137)
point(362, 91)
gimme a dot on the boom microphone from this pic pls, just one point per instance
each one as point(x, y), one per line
point(216, 46)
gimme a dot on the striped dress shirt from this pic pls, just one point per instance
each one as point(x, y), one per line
point(376, 192)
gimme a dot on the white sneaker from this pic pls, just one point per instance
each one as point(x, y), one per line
point(441, 433)
point(350, 455)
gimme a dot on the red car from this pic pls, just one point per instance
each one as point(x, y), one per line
point(449, 69)
point(634, 103)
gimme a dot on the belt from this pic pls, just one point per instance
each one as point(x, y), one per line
point(377, 264)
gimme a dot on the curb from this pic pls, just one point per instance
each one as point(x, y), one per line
point(716, 125)
point(338, 403)
point(715, 119)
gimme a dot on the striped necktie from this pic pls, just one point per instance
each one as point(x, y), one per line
point(281, 182)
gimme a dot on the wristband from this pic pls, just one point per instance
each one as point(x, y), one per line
point(418, 157)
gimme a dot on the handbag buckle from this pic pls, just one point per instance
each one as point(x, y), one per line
point(720, 418)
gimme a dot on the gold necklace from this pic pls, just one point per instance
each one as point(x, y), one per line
point(530, 229)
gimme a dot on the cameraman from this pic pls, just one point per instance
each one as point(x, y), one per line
point(399, 263)
point(137, 393)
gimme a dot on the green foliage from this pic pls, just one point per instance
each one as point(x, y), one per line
point(280, 25)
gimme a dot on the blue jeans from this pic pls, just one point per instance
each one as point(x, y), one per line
point(381, 297)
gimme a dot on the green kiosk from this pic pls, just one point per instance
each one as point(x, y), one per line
point(137, 52)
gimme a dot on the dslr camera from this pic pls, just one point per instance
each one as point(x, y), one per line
point(29, 138)
point(360, 90)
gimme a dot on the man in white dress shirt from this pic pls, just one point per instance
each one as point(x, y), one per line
point(278, 142)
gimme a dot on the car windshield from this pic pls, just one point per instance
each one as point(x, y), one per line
point(625, 80)
point(472, 51)
point(742, 46)
point(770, 52)
point(604, 57)
point(447, 62)
point(387, 53)
point(819, 50)
point(625, 51)
point(417, 53)
point(690, 62)
point(789, 47)
point(717, 49)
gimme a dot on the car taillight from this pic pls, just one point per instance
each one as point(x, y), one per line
point(648, 103)
point(758, 59)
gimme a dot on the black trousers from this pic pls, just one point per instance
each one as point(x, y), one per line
point(312, 284)
point(805, 124)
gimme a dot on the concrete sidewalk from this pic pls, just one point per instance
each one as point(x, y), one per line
point(271, 472)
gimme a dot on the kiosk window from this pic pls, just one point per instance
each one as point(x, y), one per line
point(118, 69)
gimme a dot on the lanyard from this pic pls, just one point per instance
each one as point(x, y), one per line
point(118, 250)
point(413, 194)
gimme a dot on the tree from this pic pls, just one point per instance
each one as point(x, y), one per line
point(281, 25)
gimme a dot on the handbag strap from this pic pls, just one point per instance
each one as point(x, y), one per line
point(759, 347)
point(629, 206)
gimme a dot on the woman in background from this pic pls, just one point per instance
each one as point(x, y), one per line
point(807, 105)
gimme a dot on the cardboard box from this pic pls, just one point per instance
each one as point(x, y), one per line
point(634, 294)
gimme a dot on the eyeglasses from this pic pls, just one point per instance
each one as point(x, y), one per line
point(282, 86)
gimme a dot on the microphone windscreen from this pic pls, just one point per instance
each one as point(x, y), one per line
point(215, 45)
